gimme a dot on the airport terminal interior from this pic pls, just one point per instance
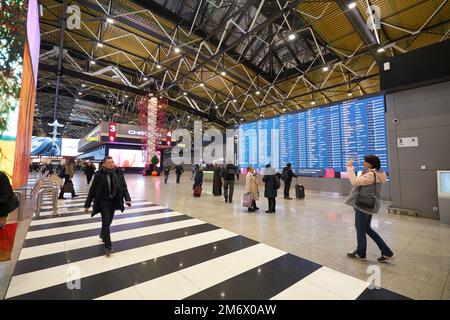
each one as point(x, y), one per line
point(225, 150)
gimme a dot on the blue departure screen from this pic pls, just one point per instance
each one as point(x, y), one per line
point(317, 140)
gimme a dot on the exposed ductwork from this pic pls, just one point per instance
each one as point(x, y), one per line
point(355, 17)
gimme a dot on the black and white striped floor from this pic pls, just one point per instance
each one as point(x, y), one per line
point(160, 253)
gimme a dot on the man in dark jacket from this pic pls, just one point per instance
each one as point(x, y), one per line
point(108, 191)
point(89, 171)
point(178, 171)
point(228, 174)
point(271, 185)
point(8, 201)
point(288, 174)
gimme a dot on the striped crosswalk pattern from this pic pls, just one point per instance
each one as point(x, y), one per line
point(160, 253)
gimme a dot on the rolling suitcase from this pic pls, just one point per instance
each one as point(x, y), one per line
point(299, 191)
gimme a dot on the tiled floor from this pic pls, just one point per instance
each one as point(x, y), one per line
point(205, 248)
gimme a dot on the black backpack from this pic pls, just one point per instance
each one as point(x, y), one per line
point(284, 174)
point(224, 173)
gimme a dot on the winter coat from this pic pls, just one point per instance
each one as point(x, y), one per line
point(271, 183)
point(7, 198)
point(90, 170)
point(364, 185)
point(99, 192)
point(251, 185)
point(198, 179)
point(68, 170)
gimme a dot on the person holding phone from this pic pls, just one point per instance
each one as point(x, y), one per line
point(365, 199)
point(108, 191)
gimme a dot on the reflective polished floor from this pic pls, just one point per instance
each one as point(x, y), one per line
point(170, 245)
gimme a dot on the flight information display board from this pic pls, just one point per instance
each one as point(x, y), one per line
point(317, 141)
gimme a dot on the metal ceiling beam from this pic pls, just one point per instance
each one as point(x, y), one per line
point(122, 87)
point(60, 54)
point(255, 30)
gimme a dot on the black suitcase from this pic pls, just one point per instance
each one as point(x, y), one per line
point(299, 191)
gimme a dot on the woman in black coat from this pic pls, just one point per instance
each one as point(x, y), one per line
point(271, 181)
point(8, 201)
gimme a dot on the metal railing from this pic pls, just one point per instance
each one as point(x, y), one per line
point(20, 196)
point(42, 187)
point(40, 195)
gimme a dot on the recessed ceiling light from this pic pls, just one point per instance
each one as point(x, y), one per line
point(380, 50)
point(178, 120)
point(177, 50)
point(92, 61)
point(79, 93)
point(291, 36)
point(217, 107)
point(158, 66)
point(184, 93)
point(126, 96)
point(202, 84)
point(145, 78)
point(258, 92)
point(352, 5)
point(242, 119)
point(313, 102)
point(325, 69)
point(83, 85)
point(109, 20)
point(99, 44)
point(234, 100)
point(349, 94)
point(223, 73)
point(284, 109)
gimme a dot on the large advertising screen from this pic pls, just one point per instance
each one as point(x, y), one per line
point(126, 158)
point(45, 146)
point(318, 141)
point(69, 147)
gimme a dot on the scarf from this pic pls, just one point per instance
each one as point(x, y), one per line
point(113, 181)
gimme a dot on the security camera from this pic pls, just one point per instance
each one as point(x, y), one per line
point(395, 121)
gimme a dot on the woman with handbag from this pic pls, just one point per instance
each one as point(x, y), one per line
point(365, 199)
point(251, 188)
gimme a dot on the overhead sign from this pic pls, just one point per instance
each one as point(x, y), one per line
point(408, 142)
point(112, 132)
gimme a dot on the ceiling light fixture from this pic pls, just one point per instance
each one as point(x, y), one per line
point(177, 50)
point(381, 50)
point(216, 107)
point(350, 94)
point(292, 36)
point(352, 5)
point(234, 100)
point(325, 69)
point(83, 85)
point(158, 66)
point(79, 93)
point(145, 78)
point(258, 92)
point(202, 84)
point(99, 44)
point(92, 61)
point(313, 103)
point(184, 93)
point(223, 73)
point(109, 20)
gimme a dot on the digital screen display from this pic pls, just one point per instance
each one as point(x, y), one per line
point(126, 158)
point(318, 141)
point(70, 147)
point(45, 146)
point(444, 178)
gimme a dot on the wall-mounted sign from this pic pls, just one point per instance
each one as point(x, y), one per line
point(112, 131)
point(408, 142)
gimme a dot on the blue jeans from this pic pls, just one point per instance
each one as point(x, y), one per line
point(362, 224)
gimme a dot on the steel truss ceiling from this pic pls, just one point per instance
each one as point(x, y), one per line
point(224, 61)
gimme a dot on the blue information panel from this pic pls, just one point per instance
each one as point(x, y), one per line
point(319, 140)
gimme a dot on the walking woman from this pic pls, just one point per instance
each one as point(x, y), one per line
point(271, 185)
point(251, 186)
point(365, 199)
